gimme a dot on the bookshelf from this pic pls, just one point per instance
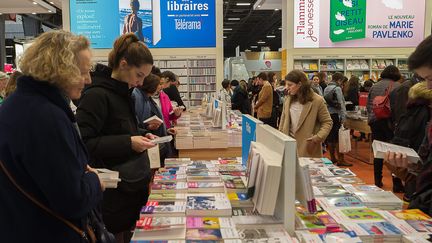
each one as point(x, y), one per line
point(365, 67)
point(197, 76)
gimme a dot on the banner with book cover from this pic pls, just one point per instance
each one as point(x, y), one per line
point(358, 23)
point(159, 24)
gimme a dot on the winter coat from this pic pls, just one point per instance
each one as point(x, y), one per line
point(41, 148)
point(314, 120)
point(240, 100)
point(107, 120)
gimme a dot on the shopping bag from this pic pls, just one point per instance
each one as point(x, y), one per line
point(344, 140)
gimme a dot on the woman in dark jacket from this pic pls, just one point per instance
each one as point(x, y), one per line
point(353, 93)
point(40, 144)
point(108, 124)
point(240, 98)
point(146, 107)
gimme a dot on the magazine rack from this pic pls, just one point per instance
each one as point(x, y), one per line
point(284, 147)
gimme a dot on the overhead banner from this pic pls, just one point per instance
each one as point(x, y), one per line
point(158, 23)
point(358, 23)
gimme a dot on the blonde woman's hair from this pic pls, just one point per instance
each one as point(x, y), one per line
point(53, 58)
point(420, 90)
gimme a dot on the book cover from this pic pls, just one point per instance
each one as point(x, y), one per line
point(361, 214)
point(167, 196)
point(204, 234)
point(346, 237)
point(410, 214)
point(347, 20)
point(209, 223)
point(309, 221)
point(341, 172)
point(331, 191)
point(340, 202)
point(380, 228)
point(261, 232)
point(422, 226)
point(159, 223)
point(237, 196)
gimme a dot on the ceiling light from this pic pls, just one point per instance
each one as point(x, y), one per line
point(280, 28)
point(225, 37)
point(243, 4)
point(254, 46)
point(261, 42)
point(259, 6)
point(52, 3)
point(233, 18)
point(227, 29)
point(1, 13)
point(35, 3)
point(271, 36)
point(276, 9)
point(49, 11)
point(34, 13)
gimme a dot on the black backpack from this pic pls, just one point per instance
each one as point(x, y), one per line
point(331, 99)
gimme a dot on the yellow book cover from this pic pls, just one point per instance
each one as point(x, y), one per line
point(411, 214)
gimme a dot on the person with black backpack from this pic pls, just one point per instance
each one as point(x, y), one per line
point(336, 106)
point(379, 116)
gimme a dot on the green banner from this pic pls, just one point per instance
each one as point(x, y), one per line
point(347, 20)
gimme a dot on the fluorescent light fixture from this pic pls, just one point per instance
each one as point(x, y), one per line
point(34, 13)
point(259, 6)
point(227, 29)
point(276, 9)
point(52, 3)
point(280, 28)
point(254, 46)
point(261, 42)
point(233, 18)
point(35, 3)
point(225, 37)
point(1, 13)
point(243, 4)
point(49, 11)
point(271, 36)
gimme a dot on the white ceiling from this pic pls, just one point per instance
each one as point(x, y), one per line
point(27, 6)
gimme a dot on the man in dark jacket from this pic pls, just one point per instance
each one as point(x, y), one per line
point(172, 90)
point(399, 98)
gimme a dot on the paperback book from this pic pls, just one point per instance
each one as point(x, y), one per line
point(212, 205)
point(211, 234)
point(159, 223)
point(209, 223)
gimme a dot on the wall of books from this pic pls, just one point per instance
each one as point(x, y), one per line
point(197, 76)
point(365, 67)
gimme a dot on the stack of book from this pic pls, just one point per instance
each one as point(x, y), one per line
point(382, 200)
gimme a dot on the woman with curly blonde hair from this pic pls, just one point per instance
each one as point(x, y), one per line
point(40, 145)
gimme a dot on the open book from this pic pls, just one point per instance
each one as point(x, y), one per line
point(153, 119)
point(381, 148)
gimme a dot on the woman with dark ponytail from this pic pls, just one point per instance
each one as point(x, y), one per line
point(107, 120)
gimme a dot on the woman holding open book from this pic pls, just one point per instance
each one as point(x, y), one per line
point(304, 116)
point(108, 124)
